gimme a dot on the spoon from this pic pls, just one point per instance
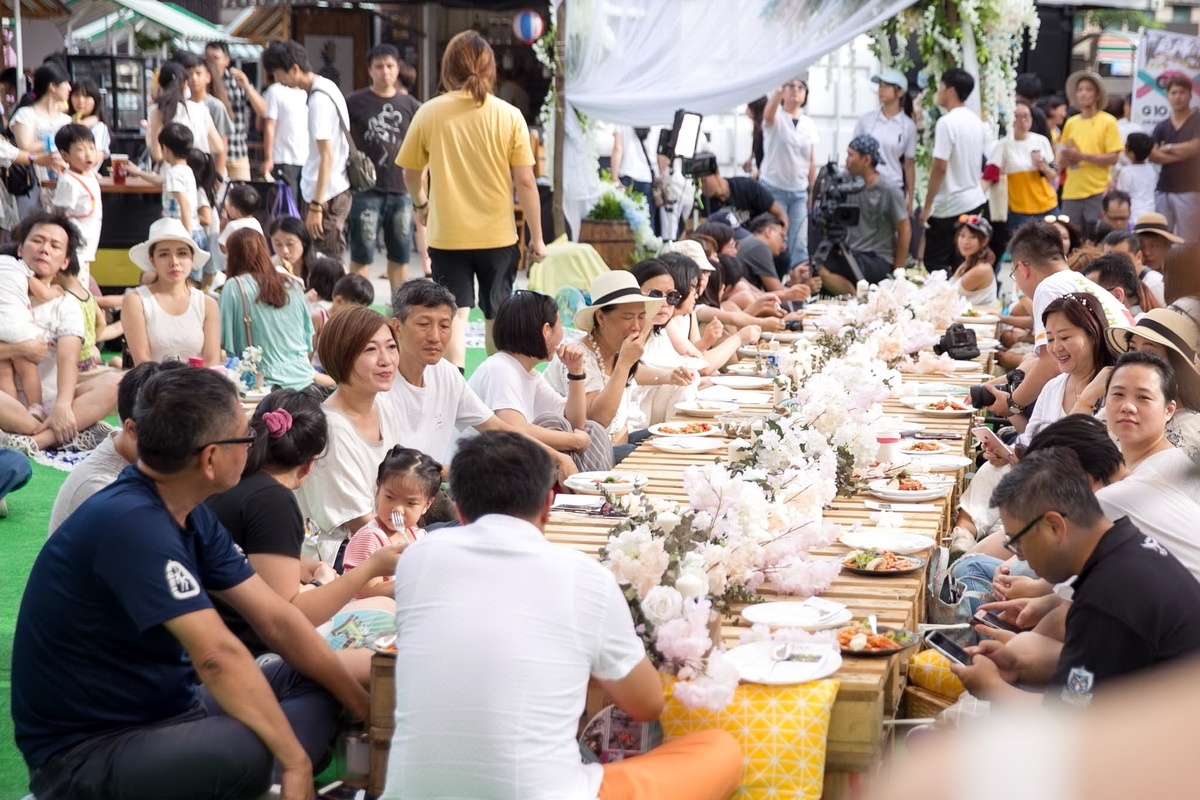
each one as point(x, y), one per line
point(873, 624)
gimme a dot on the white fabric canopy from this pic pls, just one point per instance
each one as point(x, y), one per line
point(634, 62)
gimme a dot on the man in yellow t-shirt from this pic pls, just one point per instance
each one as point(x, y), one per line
point(1089, 147)
point(476, 148)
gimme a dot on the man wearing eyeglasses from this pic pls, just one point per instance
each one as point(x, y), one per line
point(1134, 605)
point(125, 680)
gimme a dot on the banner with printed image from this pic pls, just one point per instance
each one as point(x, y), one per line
point(1160, 55)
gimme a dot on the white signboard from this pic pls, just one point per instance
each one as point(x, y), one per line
point(1160, 55)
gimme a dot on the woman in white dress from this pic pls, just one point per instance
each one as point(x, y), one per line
point(35, 124)
point(173, 106)
point(975, 277)
point(168, 318)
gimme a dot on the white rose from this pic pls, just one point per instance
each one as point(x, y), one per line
point(662, 604)
point(666, 521)
point(690, 584)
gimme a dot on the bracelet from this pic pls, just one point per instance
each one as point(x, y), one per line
point(571, 377)
point(316, 207)
point(420, 206)
point(315, 582)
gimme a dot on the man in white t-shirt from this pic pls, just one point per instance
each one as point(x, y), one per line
point(324, 183)
point(75, 410)
point(284, 114)
point(1040, 271)
point(959, 145)
point(632, 152)
point(472, 720)
point(431, 394)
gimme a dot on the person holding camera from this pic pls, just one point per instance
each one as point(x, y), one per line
point(879, 242)
point(1040, 271)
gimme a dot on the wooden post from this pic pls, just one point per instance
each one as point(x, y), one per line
point(560, 46)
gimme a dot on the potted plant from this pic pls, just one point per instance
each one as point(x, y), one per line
point(618, 226)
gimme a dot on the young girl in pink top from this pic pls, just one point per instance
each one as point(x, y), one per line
point(406, 487)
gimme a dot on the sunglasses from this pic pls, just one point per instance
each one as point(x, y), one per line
point(249, 438)
point(673, 298)
point(1053, 218)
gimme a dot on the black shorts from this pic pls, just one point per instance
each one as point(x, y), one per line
point(873, 267)
point(495, 268)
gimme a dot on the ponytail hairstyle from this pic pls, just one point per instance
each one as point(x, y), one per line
point(48, 75)
point(172, 79)
point(289, 431)
point(204, 167)
point(406, 462)
point(470, 65)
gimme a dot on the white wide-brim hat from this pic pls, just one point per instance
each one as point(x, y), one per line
point(167, 229)
point(693, 250)
point(613, 289)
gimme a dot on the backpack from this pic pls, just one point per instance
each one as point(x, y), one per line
point(18, 179)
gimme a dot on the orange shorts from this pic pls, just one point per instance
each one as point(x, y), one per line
point(706, 765)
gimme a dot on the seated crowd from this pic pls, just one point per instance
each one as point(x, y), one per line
point(172, 627)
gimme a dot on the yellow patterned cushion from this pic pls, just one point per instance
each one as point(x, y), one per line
point(782, 731)
point(930, 670)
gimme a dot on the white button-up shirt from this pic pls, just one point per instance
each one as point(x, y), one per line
point(896, 136)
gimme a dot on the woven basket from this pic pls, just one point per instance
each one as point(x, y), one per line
point(918, 703)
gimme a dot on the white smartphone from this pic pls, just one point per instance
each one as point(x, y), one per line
point(992, 441)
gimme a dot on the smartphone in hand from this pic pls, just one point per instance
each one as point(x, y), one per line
point(948, 647)
point(985, 435)
point(992, 620)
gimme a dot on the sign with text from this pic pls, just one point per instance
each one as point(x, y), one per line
point(1161, 55)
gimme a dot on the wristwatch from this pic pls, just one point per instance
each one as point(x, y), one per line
point(1014, 407)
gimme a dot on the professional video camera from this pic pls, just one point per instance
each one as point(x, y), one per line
point(833, 216)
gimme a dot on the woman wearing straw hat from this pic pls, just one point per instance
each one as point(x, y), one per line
point(618, 325)
point(168, 318)
point(1172, 334)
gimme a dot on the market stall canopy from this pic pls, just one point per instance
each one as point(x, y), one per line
point(36, 9)
point(94, 19)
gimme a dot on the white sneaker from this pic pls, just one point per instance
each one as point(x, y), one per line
point(961, 541)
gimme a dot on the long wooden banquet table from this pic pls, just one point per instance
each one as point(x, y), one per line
point(870, 687)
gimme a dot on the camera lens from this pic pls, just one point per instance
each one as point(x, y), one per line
point(981, 396)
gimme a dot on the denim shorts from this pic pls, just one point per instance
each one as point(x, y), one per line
point(372, 210)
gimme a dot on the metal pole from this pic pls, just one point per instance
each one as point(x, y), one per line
point(20, 50)
point(560, 110)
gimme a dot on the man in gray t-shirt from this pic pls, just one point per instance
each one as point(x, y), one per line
point(880, 240)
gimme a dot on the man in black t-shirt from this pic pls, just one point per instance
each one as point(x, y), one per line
point(757, 254)
point(746, 198)
point(379, 118)
point(1134, 606)
point(1177, 148)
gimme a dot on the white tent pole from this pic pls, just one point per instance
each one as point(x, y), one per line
point(20, 50)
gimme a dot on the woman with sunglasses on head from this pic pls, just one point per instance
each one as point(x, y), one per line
point(528, 331)
point(1075, 338)
point(1027, 160)
point(1072, 237)
point(617, 324)
point(975, 277)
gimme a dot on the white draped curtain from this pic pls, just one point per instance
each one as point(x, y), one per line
point(634, 62)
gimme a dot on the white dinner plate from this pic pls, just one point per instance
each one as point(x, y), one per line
point(901, 542)
point(923, 406)
point(946, 462)
point(756, 663)
point(898, 425)
point(752, 351)
point(967, 366)
point(686, 444)
point(981, 319)
point(909, 447)
point(595, 482)
point(813, 614)
point(741, 381)
point(704, 408)
point(787, 337)
point(934, 488)
point(677, 429)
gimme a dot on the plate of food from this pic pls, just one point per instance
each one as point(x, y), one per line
point(747, 370)
point(685, 429)
point(783, 663)
point(924, 447)
point(975, 318)
point(686, 445)
point(813, 614)
point(383, 643)
point(940, 407)
point(704, 408)
point(858, 640)
point(761, 349)
point(967, 366)
point(742, 381)
point(880, 563)
point(907, 487)
point(600, 482)
point(896, 541)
